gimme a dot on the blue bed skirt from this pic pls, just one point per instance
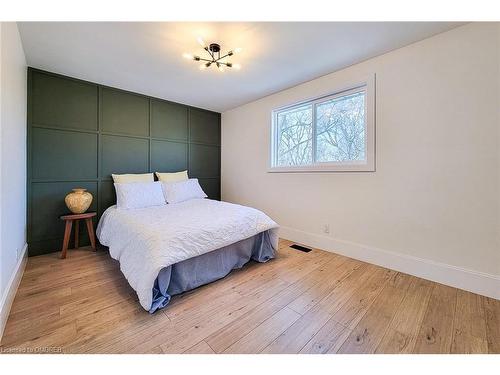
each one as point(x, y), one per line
point(194, 272)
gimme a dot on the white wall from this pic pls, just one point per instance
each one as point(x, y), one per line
point(12, 155)
point(435, 196)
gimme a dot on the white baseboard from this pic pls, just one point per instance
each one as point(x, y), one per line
point(462, 278)
point(10, 291)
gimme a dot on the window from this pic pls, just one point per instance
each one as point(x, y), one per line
point(332, 133)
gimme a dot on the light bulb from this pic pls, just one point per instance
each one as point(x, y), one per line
point(238, 50)
point(203, 67)
point(221, 68)
point(237, 66)
point(202, 43)
point(187, 56)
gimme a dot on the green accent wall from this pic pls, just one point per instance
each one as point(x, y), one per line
point(80, 132)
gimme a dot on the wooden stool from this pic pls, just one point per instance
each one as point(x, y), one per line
point(67, 230)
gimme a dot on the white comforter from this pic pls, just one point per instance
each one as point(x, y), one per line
point(148, 239)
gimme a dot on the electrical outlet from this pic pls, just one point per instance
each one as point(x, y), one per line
point(326, 228)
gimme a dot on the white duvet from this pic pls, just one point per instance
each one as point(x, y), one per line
point(146, 240)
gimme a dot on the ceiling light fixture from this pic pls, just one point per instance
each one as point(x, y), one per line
point(215, 59)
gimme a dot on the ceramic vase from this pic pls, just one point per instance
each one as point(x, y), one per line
point(78, 201)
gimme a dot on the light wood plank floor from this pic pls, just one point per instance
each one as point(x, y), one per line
point(315, 302)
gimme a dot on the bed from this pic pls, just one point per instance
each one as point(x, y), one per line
point(169, 249)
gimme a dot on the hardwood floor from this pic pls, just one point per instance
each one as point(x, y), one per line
point(315, 302)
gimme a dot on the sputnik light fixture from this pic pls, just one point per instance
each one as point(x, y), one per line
point(215, 59)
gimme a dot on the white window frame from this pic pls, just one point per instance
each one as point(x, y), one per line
point(368, 165)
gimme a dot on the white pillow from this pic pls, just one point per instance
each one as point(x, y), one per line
point(139, 195)
point(176, 192)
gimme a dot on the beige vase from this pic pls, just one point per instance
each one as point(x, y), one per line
point(78, 201)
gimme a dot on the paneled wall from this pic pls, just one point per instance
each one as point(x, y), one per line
point(80, 132)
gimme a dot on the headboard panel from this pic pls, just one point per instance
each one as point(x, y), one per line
point(80, 132)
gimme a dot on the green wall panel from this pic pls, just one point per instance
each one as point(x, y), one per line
point(211, 186)
point(169, 156)
point(40, 247)
point(124, 113)
point(107, 195)
point(63, 155)
point(204, 126)
point(64, 103)
point(169, 120)
point(79, 133)
point(204, 161)
point(123, 155)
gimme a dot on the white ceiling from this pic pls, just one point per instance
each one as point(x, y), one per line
point(147, 57)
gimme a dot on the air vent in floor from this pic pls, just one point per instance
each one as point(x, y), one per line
point(300, 248)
